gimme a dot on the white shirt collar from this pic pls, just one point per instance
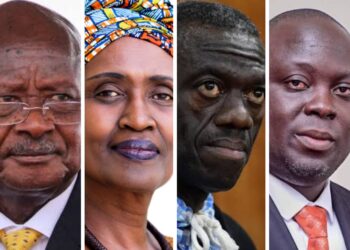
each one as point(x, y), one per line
point(289, 201)
point(46, 218)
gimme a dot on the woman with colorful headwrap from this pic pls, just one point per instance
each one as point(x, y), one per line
point(128, 110)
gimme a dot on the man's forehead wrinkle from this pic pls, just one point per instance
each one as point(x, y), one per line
point(49, 79)
point(18, 64)
point(202, 37)
point(220, 60)
point(235, 50)
point(23, 49)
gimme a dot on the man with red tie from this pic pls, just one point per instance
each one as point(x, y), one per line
point(309, 131)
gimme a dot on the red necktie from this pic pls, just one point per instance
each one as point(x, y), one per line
point(313, 220)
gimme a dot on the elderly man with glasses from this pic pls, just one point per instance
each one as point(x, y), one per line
point(39, 129)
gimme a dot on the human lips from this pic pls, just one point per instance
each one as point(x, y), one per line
point(227, 149)
point(33, 159)
point(315, 140)
point(136, 149)
point(34, 154)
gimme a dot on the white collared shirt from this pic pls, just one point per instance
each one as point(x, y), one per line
point(289, 202)
point(43, 221)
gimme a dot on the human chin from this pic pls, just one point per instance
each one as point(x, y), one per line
point(124, 172)
point(216, 178)
point(135, 178)
point(51, 175)
point(304, 171)
point(218, 173)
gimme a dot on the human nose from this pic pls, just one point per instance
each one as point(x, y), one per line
point(35, 123)
point(234, 114)
point(320, 104)
point(136, 115)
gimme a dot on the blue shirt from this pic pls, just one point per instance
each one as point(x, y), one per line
point(184, 216)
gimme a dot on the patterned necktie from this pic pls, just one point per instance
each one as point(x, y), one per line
point(313, 220)
point(22, 239)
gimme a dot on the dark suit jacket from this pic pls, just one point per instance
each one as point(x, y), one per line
point(66, 234)
point(234, 230)
point(280, 237)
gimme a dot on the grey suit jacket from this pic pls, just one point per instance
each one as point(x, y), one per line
point(280, 237)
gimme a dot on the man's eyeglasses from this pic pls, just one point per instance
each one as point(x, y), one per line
point(61, 113)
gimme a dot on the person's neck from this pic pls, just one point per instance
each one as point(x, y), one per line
point(20, 206)
point(118, 218)
point(193, 197)
point(311, 193)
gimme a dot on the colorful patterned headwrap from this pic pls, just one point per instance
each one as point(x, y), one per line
point(109, 20)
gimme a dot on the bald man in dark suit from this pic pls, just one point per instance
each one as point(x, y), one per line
point(309, 131)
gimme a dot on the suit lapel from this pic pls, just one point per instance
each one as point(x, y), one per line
point(66, 234)
point(341, 206)
point(280, 237)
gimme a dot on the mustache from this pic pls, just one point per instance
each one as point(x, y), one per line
point(29, 147)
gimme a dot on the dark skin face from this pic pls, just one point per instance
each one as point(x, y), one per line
point(130, 103)
point(38, 158)
point(129, 97)
point(220, 107)
point(309, 102)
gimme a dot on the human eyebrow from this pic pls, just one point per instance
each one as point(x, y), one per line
point(213, 70)
point(344, 76)
point(8, 86)
point(107, 75)
point(309, 68)
point(159, 78)
point(55, 84)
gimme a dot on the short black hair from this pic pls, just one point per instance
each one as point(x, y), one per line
point(303, 14)
point(214, 14)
